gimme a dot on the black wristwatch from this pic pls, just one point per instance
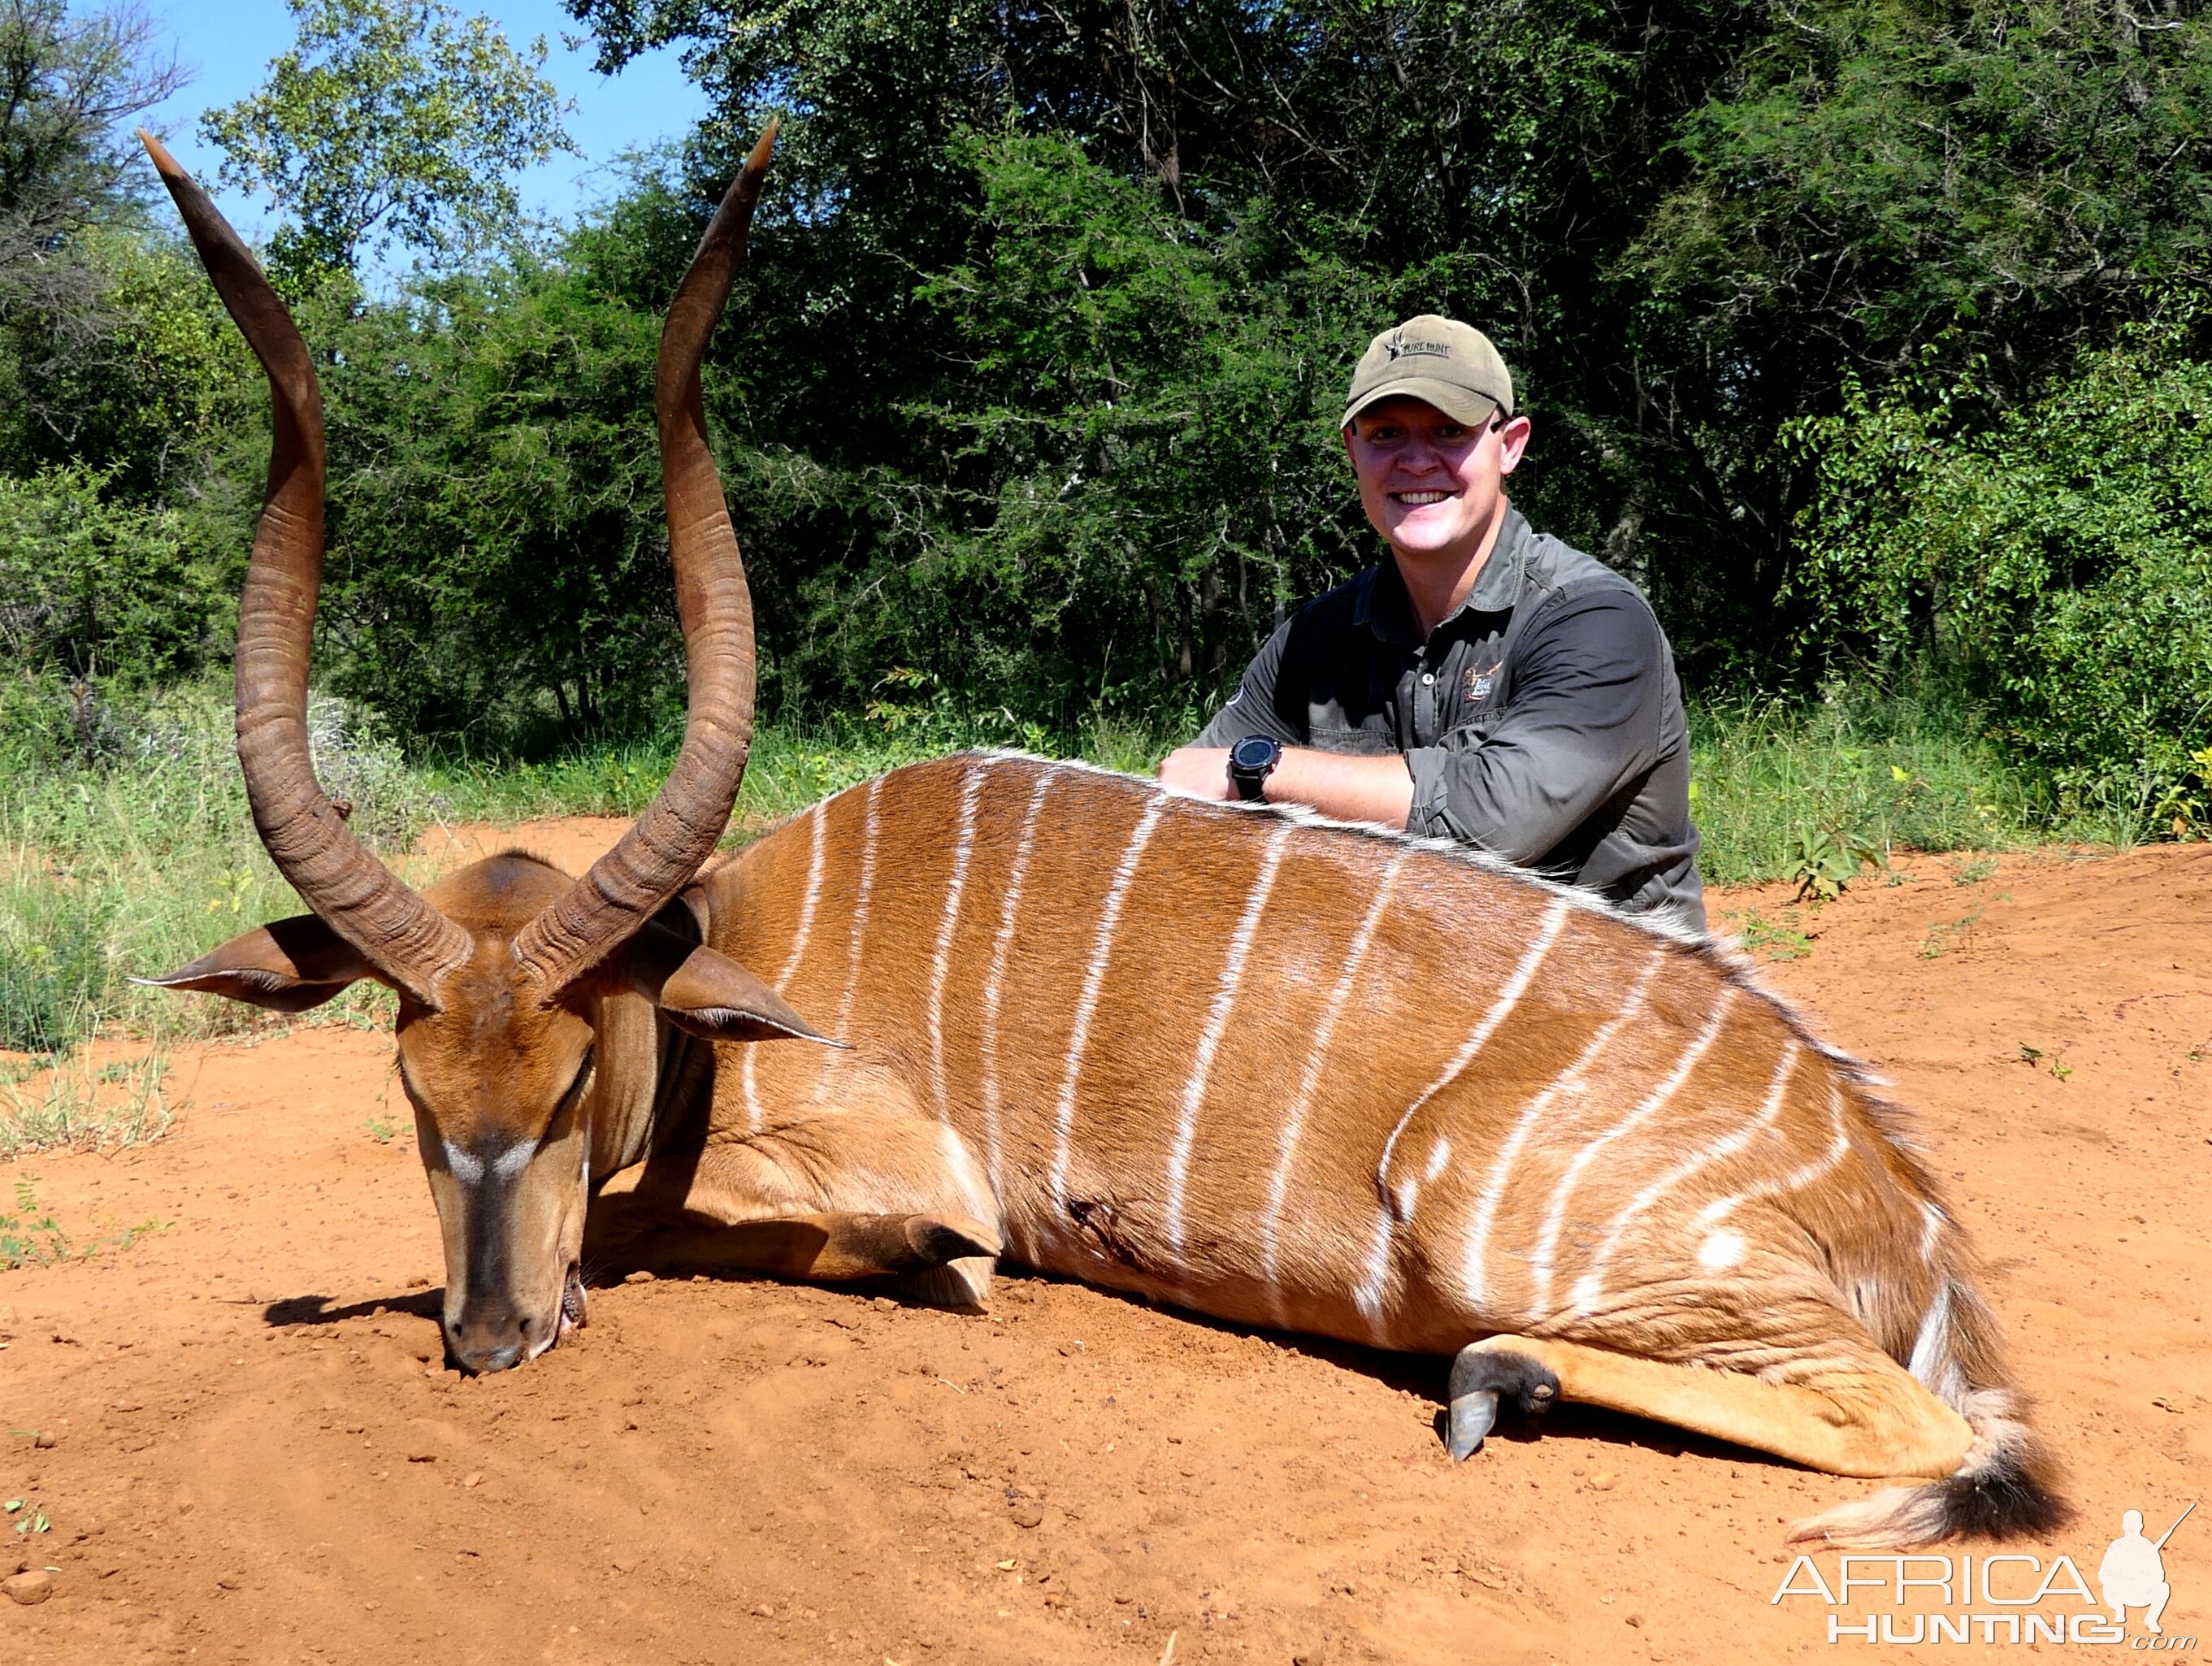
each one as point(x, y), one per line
point(1251, 761)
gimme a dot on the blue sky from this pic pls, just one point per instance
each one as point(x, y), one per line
point(227, 43)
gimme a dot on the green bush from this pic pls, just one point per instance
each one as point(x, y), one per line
point(89, 585)
point(2054, 557)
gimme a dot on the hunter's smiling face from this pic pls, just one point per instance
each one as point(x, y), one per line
point(1430, 484)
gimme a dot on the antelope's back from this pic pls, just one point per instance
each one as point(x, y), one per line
point(1276, 1070)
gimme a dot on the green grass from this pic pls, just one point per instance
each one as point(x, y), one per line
point(126, 848)
point(1770, 779)
point(791, 766)
point(71, 1104)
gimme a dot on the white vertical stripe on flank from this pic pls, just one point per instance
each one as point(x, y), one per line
point(988, 1029)
point(860, 909)
point(1492, 1194)
point(797, 953)
point(1393, 1208)
point(1804, 1175)
point(1931, 1228)
point(1217, 1024)
point(981, 1202)
point(1719, 1150)
point(1094, 976)
point(971, 784)
point(1585, 1290)
point(1316, 1056)
point(1548, 1238)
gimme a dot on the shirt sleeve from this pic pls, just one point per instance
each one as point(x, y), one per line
point(1582, 720)
point(1255, 708)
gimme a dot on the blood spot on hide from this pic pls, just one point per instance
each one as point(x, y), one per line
point(1101, 1220)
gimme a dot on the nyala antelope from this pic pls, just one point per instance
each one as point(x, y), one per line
point(994, 1006)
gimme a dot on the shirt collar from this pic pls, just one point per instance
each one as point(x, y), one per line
point(1384, 608)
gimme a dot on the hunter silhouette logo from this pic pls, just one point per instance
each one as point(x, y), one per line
point(2133, 1574)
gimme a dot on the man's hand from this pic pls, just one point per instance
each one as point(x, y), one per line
point(1201, 771)
point(1351, 789)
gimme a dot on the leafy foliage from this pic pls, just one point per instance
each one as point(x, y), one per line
point(66, 84)
point(1025, 401)
point(88, 584)
point(390, 121)
point(2055, 555)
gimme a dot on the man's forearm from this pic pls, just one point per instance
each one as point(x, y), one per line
point(1349, 788)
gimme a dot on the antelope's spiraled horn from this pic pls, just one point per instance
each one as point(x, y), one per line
point(678, 831)
point(400, 934)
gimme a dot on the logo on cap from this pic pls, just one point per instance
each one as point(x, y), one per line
point(1419, 350)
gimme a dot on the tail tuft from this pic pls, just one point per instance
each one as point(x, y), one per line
point(2003, 1490)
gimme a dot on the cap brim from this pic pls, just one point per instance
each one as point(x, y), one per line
point(1462, 405)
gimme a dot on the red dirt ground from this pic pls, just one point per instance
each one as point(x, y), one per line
point(260, 1458)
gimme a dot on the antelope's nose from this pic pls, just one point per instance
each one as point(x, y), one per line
point(492, 1338)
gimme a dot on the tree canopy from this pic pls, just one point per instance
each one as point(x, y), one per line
point(390, 121)
point(1026, 395)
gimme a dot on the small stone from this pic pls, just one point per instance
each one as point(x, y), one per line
point(639, 1277)
point(1026, 1514)
point(1603, 1480)
point(626, 1563)
point(127, 1405)
point(763, 1611)
point(30, 1588)
point(474, 1478)
point(45, 1440)
point(1636, 1620)
point(230, 1582)
point(884, 1304)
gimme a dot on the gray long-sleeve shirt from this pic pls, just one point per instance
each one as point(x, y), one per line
point(1541, 721)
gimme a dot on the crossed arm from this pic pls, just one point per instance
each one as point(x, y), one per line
point(1351, 789)
point(1583, 721)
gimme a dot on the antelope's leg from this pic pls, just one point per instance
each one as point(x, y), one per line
point(1861, 1415)
point(834, 1196)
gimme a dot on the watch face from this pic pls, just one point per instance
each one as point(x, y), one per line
point(1254, 752)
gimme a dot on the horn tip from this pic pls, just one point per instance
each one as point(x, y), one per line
point(163, 161)
point(763, 147)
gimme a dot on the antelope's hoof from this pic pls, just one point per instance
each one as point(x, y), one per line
point(937, 1239)
point(1468, 1421)
point(1479, 1377)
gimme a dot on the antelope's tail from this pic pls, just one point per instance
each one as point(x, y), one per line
point(2006, 1486)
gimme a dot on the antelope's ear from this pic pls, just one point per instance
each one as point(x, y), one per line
point(286, 966)
point(707, 994)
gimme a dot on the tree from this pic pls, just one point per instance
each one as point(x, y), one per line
point(390, 121)
point(65, 84)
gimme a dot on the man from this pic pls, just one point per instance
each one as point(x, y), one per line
point(2133, 1573)
point(1486, 684)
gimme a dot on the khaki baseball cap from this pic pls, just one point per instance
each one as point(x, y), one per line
point(1450, 365)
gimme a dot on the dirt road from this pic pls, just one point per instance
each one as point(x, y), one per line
point(258, 1457)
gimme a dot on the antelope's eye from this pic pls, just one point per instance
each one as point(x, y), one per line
point(583, 1079)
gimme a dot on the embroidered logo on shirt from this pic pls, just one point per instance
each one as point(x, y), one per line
point(1479, 681)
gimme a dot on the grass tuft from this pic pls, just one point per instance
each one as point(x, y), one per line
point(66, 1104)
